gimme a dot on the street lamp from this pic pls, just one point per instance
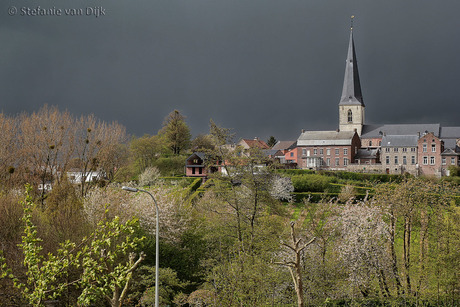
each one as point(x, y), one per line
point(157, 248)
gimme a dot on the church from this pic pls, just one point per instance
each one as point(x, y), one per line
point(417, 149)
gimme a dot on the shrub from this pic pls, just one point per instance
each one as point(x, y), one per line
point(171, 166)
point(311, 182)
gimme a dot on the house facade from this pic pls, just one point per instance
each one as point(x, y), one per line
point(327, 149)
point(195, 166)
point(399, 154)
point(430, 148)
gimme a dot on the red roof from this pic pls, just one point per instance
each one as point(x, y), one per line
point(256, 143)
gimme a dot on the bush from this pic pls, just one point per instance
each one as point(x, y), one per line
point(363, 176)
point(454, 171)
point(291, 172)
point(311, 183)
point(171, 166)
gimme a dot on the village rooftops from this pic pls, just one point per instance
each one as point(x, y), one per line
point(325, 138)
point(399, 141)
point(283, 145)
point(377, 131)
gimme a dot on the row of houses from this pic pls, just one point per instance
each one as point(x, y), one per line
point(417, 149)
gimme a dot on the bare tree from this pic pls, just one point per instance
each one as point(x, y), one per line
point(296, 247)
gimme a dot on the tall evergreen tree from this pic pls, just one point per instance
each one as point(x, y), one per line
point(176, 132)
point(271, 141)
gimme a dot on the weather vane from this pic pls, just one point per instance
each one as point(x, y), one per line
point(351, 21)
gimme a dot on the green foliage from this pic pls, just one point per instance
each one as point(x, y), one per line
point(144, 285)
point(175, 133)
point(454, 171)
point(171, 166)
point(295, 171)
point(363, 176)
point(271, 141)
point(311, 182)
point(100, 258)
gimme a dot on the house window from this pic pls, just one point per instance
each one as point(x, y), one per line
point(315, 151)
point(432, 160)
point(433, 147)
point(321, 151)
point(292, 154)
point(387, 159)
point(443, 161)
point(412, 149)
point(350, 116)
point(452, 161)
point(370, 143)
point(380, 143)
point(404, 149)
point(412, 160)
point(337, 161)
point(195, 161)
point(328, 161)
point(387, 149)
point(404, 160)
point(424, 148)
point(193, 171)
point(345, 161)
point(200, 171)
point(395, 149)
point(328, 151)
point(337, 151)
point(425, 160)
point(345, 151)
point(396, 159)
point(304, 151)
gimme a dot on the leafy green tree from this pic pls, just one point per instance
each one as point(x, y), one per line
point(99, 257)
point(202, 142)
point(175, 132)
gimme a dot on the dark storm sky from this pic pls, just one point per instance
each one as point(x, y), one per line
point(261, 67)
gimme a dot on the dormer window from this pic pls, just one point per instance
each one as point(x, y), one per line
point(350, 116)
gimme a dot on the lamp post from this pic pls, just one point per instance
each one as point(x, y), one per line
point(157, 248)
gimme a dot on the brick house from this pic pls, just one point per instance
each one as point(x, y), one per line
point(430, 148)
point(326, 149)
point(195, 166)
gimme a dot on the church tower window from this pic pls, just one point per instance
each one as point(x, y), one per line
point(350, 116)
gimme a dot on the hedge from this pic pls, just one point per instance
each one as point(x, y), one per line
point(311, 182)
point(291, 172)
point(318, 196)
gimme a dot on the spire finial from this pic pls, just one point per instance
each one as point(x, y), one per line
point(351, 22)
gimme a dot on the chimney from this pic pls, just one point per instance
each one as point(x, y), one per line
point(256, 138)
point(303, 130)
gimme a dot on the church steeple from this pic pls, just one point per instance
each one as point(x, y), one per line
point(351, 106)
point(351, 92)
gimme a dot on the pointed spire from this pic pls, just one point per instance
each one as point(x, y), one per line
point(351, 93)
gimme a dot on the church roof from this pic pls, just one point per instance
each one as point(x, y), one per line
point(377, 131)
point(351, 92)
point(323, 138)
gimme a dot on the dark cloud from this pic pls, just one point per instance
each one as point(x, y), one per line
point(261, 67)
